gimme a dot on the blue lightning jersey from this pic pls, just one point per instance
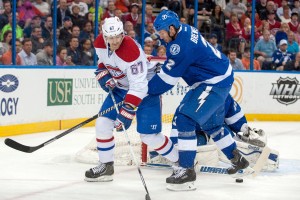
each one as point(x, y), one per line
point(195, 60)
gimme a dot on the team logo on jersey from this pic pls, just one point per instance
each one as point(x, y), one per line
point(8, 83)
point(174, 49)
point(286, 90)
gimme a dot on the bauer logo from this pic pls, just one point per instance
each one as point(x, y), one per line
point(59, 92)
point(286, 90)
point(8, 83)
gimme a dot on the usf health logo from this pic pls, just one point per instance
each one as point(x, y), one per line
point(286, 90)
point(59, 92)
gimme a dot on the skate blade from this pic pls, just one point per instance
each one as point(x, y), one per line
point(99, 179)
point(189, 186)
point(243, 172)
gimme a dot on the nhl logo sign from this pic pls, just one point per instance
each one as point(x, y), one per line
point(286, 90)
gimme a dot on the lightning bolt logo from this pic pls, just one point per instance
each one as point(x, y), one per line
point(203, 96)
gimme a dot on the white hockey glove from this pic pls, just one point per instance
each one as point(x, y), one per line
point(254, 136)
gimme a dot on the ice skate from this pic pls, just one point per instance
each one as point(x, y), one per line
point(182, 179)
point(101, 173)
point(240, 166)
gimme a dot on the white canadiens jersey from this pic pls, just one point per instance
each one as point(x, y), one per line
point(128, 66)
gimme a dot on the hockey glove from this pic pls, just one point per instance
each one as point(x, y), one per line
point(105, 79)
point(124, 117)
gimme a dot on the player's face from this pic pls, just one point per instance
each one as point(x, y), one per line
point(164, 35)
point(114, 42)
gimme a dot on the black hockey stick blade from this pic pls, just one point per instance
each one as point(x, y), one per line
point(29, 149)
point(15, 145)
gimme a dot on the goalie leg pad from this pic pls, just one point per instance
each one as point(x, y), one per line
point(207, 155)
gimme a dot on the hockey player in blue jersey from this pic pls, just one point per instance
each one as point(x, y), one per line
point(210, 77)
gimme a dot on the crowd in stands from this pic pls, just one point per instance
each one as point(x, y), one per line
point(226, 24)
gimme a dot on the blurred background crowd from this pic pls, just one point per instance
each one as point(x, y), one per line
point(226, 24)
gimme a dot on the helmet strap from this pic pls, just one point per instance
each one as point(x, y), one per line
point(176, 32)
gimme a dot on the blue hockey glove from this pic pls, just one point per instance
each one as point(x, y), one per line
point(105, 79)
point(124, 117)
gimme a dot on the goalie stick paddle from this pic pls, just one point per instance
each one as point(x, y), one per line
point(29, 149)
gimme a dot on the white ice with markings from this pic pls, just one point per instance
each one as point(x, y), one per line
point(51, 172)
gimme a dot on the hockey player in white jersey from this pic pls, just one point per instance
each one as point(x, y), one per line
point(210, 76)
point(123, 68)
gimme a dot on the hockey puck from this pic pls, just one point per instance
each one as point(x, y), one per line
point(239, 180)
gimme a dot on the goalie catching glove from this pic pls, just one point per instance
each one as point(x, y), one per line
point(105, 79)
point(125, 117)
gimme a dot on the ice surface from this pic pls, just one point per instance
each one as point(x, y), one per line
point(52, 174)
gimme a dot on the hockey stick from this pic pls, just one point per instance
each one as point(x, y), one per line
point(261, 161)
point(131, 150)
point(29, 149)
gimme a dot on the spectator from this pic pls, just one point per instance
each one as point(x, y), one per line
point(19, 30)
point(235, 62)
point(7, 56)
point(4, 16)
point(282, 33)
point(149, 42)
point(27, 11)
point(213, 39)
point(281, 56)
point(204, 12)
point(122, 5)
point(35, 22)
point(76, 18)
point(274, 25)
point(234, 33)
point(92, 11)
point(161, 51)
point(133, 16)
point(297, 35)
point(87, 53)
point(148, 50)
point(110, 11)
point(62, 12)
point(119, 14)
point(183, 20)
point(286, 17)
point(133, 35)
point(149, 17)
point(264, 48)
point(27, 57)
point(246, 60)
point(83, 8)
point(61, 57)
point(4, 44)
point(47, 28)
point(217, 19)
point(74, 52)
point(87, 32)
point(173, 5)
point(42, 6)
point(149, 30)
point(296, 8)
point(44, 57)
point(37, 39)
point(235, 6)
point(261, 8)
point(294, 23)
point(270, 9)
point(65, 33)
point(280, 10)
point(293, 46)
point(293, 65)
point(188, 10)
point(128, 26)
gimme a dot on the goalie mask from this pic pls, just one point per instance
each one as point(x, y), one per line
point(113, 32)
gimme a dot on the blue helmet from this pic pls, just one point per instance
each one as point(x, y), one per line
point(165, 19)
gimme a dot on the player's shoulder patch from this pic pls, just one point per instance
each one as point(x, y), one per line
point(174, 49)
point(128, 51)
point(99, 42)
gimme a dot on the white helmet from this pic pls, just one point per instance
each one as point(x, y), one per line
point(112, 27)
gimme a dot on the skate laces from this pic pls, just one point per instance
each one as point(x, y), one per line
point(98, 168)
point(179, 172)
